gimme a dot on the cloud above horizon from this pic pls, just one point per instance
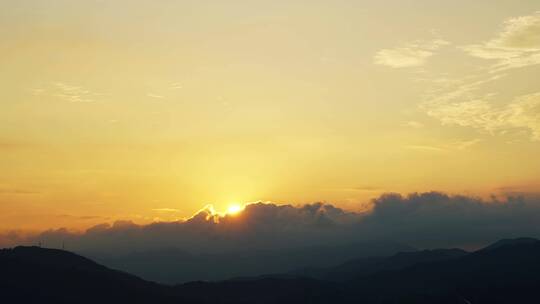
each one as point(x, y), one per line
point(464, 101)
point(430, 219)
point(516, 45)
point(522, 113)
point(412, 54)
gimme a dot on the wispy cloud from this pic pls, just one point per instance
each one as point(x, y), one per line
point(152, 95)
point(426, 148)
point(166, 210)
point(446, 147)
point(357, 189)
point(522, 113)
point(465, 144)
point(517, 45)
point(176, 86)
point(409, 55)
point(459, 102)
point(413, 124)
point(83, 217)
point(37, 91)
point(73, 93)
point(67, 92)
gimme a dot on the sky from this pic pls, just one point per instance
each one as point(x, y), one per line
point(150, 110)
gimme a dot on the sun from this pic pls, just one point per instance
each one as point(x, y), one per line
point(234, 209)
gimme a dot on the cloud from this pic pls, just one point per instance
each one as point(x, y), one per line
point(152, 95)
point(437, 219)
point(365, 188)
point(522, 113)
point(166, 210)
point(410, 55)
point(425, 148)
point(15, 237)
point(83, 217)
point(461, 102)
point(426, 219)
point(446, 147)
point(176, 86)
point(516, 45)
point(73, 93)
point(67, 92)
point(457, 102)
point(465, 144)
point(414, 124)
point(259, 226)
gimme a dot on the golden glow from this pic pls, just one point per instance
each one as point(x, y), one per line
point(104, 117)
point(234, 209)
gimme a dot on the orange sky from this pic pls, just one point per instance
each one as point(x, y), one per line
point(153, 112)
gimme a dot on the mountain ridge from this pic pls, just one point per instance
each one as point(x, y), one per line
point(505, 273)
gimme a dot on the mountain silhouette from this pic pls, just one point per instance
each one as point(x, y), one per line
point(507, 271)
point(173, 266)
point(370, 265)
point(39, 275)
point(509, 242)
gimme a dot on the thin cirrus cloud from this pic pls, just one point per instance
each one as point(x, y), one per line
point(409, 55)
point(429, 219)
point(517, 45)
point(414, 124)
point(460, 102)
point(73, 93)
point(457, 102)
point(521, 113)
point(451, 146)
point(425, 148)
point(66, 92)
point(152, 95)
point(166, 210)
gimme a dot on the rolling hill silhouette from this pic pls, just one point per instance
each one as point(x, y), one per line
point(506, 272)
point(39, 275)
point(173, 266)
point(509, 273)
point(510, 242)
point(370, 265)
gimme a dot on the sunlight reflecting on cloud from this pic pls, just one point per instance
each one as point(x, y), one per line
point(410, 55)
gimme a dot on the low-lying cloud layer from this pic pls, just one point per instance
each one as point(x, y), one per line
point(425, 220)
point(439, 220)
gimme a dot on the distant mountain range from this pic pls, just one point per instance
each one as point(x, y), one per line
point(507, 271)
point(174, 266)
point(365, 266)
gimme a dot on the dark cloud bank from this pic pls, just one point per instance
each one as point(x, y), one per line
point(424, 220)
point(209, 246)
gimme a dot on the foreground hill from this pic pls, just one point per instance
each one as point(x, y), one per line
point(506, 272)
point(38, 275)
